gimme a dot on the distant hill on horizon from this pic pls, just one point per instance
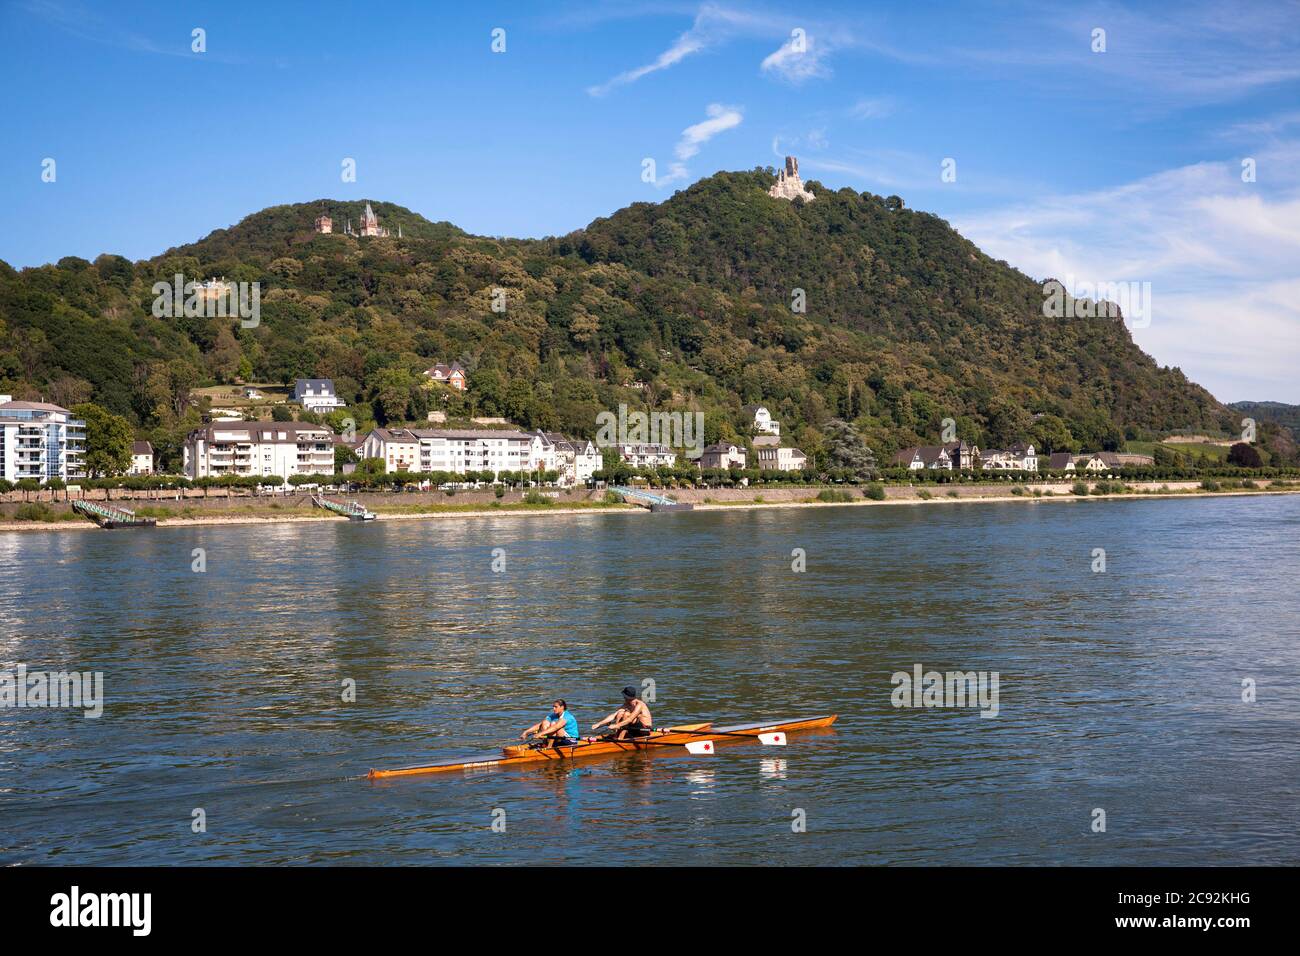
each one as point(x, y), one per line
point(1288, 416)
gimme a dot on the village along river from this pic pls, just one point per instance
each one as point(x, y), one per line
point(1118, 691)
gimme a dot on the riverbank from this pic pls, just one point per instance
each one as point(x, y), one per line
point(191, 512)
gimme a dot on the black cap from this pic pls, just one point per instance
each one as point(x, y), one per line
point(630, 691)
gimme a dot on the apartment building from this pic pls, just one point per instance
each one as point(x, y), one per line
point(449, 449)
point(275, 450)
point(41, 441)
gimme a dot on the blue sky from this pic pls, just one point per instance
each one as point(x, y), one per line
point(1114, 166)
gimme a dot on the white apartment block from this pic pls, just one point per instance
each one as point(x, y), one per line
point(275, 450)
point(41, 441)
point(449, 449)
point(473, 449)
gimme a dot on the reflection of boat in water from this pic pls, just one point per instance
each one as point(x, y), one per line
point(704, 736)
point(352, 510)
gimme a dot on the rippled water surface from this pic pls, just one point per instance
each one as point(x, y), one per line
point(1120, 690)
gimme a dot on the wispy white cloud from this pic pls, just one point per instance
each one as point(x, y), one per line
point(1264, 126)
point(813, 139)
point(1202, 55)
point(719, 119)
point(687, 44)
point(872, 107)
point(1220, 255)
point(801, 57)
point(87, 24)
point(713, 25)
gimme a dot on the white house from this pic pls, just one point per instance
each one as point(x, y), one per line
point(275, 450)
point(647, 456)
point(921, 457)
point(587, 459)
point(39, 440)
point(780, 459)
point(398, 447)
point(722, 455)
point(761, 420)
point(953, 455)
point(316, 394)
point(575, 459)
point(1112, 461)
point(1019, 457)
point(141, 458)
point(453, 375)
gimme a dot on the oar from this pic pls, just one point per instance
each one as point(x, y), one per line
point(775, 738)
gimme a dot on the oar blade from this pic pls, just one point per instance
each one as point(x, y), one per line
point(774, 739)
point(701, 748)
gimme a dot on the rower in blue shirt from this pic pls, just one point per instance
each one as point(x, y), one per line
point(559, 728)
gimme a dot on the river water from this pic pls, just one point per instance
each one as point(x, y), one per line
point(1119, 691)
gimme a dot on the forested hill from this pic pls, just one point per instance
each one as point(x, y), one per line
point(682, 304)
point(1283, 414)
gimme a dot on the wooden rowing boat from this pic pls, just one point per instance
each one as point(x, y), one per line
point(683, 734)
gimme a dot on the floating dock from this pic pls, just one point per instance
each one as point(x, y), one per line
point(109, 516)
point(647, 499)
point(352, 510)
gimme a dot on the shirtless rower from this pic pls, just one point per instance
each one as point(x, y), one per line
point(630, 720)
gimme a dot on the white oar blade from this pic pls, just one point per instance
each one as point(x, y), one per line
point(774, 739)
point(701, 748)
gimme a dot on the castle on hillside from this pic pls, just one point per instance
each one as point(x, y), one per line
point(788, 184)
point(369, 225)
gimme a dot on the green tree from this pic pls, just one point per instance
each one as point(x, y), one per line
point(1049, 433)
point(1244, 456)
point(393, 390)
point(845, 449)
point(343, 455)
point(108, 440)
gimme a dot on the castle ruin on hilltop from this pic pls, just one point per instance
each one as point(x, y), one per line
point(788, 184)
